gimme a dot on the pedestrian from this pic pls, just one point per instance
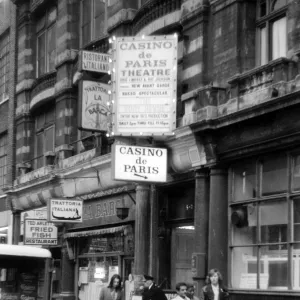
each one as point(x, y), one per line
point(113, 291)
point(181, 289)
point(191, 292)
point(151, 290)
point(214, 290)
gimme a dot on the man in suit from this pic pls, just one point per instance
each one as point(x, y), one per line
point(151, 291)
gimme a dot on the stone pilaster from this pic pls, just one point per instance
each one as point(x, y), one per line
point(16, 227)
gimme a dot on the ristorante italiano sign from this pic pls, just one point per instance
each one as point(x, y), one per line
point(134, 163)
point(93, 61)
point(144, 85)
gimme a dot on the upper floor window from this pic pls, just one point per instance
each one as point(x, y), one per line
point(45, 133)
point(272, 30)
point(93, 23)
point(46, 42)
point(4, 66)
point(3, 160)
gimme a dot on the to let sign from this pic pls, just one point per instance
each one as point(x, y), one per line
point(144, 85)
point(94, 61)
point(65, 210)
point(93, 110)
point(39, 232)
point(134, 163)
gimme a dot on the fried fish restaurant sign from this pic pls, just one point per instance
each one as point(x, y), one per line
point(39, 232)
point(65, 210)
point(144, 85)
point(135, 163)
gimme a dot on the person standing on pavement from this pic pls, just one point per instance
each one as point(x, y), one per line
point(113, 291)
point(151, 291)
point(181, 289)
point(214, 290)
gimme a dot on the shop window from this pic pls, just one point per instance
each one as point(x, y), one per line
point(46, 42)
point(261, 230)
point(272, 30)
point(4, 66)
point(45, 135)
point(93, 22)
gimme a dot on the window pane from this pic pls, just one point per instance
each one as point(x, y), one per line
point(244, 231)
point(262, 8)
point(86, 34)
point(99, 19)
point(41, 54)
point(49, 139)
point(279, 38)
point(273, 217)
point(86, 21)
point(244, 181)
point(274, 268)
point(296, 173)
point(51, 46)
point(275, 175)
point(244, 267)
point(278, 4)
point(296, 267)
point(263, 46)
point(296, 212)
point(39, 150)
point(49, 115)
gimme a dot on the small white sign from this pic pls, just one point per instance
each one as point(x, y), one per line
point(134, 163)
point(65, 210)
point(39, 232)
point(94, 61)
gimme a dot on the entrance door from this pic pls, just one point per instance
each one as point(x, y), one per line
point(182, 247)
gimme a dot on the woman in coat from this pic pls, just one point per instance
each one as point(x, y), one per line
point(113, 291)
point(214, 289)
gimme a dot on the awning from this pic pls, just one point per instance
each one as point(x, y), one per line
point(96, 232)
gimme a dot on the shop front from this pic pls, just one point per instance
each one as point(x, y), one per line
point(103, 245)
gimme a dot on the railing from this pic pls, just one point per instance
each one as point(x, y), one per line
point(153, 10)
point(44, 82)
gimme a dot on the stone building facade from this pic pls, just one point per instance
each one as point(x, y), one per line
point(232, 197)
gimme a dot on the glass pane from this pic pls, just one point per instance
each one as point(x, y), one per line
point(49, 139)
point(296, 267)
point(262, 8)
point(279, 38)
point(39, 150)
point(275, 175)
point(40, 121)
point(52, 16)
point(99, 18)
point(274, 271)
point(49, 115)
point(86, 11)
point(244, 181)
point(244, 267)
point(263, 46)
point(278, 4)
point(273, 217)
point(296, 173)
point(41, 54)
point(244, 221)
point(296, 211)
point(51, 46)
point(86, 34)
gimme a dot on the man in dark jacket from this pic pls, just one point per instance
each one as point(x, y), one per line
point(151, 291)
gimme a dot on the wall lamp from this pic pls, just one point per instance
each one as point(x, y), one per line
point(122, 212)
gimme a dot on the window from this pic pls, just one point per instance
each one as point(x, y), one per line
point(272, 30)
point(44, 138)
point(265, 223)
point(46, 42)
point(4, 66)
point(3, 160)
point(93, 20)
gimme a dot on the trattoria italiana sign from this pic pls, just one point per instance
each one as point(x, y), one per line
point(65, 210)
point(94, 113)
point(39, 232)
point(144, 85)
point(94, 62)
point(134, 163)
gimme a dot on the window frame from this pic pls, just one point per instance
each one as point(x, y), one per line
point(291, 245)
point(266, 21)
point(92, 22)
point(47, 27)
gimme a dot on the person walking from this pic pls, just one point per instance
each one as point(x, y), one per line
point(151, 290)
point(181, 289)
point(214, 289)
point(113, 291)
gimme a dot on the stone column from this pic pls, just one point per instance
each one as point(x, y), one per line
point(142, 230)
point(16, 227)
point(67, 275)
point(218, 222)
point(201, 229)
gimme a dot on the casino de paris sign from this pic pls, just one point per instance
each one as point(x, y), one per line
point(135, 163)
point(144, 81)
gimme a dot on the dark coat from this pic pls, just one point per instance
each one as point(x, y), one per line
point(154, 293)
point(105, 294)
point(207, 293)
